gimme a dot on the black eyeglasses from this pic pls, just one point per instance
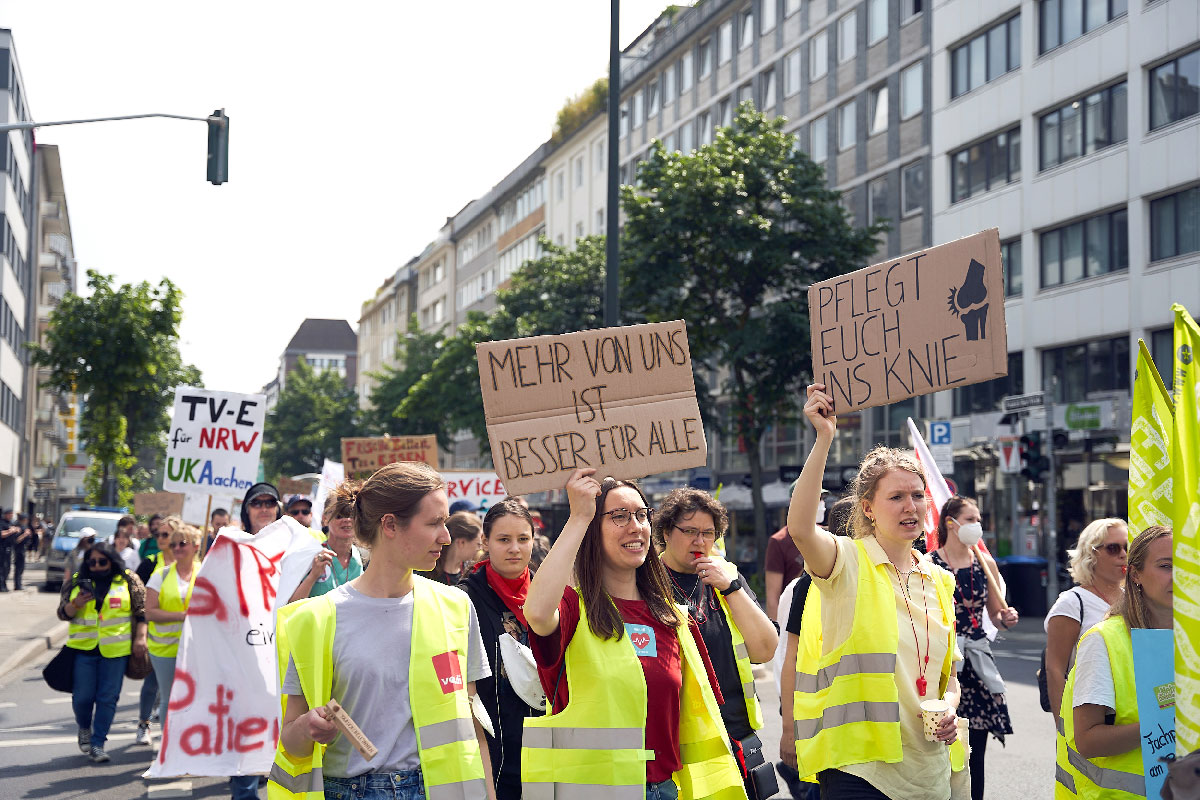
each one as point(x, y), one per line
point(621, 516)
point(265, 502)
point(97, 562)
point(1113, 548)
point(692, 533)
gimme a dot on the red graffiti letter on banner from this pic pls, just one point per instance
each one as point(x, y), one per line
point(206, 601)
point(249, 727)
point(182, 677)
point(267, 569)
point(204, 748)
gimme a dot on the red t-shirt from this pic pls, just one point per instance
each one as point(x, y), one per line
point(663, 674)
point(783, 556)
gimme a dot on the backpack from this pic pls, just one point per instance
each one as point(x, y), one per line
point(1043, 688)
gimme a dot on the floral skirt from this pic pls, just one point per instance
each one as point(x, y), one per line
point(984, 710)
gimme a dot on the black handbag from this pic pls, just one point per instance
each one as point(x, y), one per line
point(59, 674)
point(1043, 686)
point(757, 774)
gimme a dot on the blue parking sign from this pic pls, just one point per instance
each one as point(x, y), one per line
point(939, 432)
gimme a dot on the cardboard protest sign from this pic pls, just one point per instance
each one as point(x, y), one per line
point(147, 504)
point(482, 489)
point(289, 486)
point(215, 441)
point(361, 457)
point(223, 715)
point(621, 400)
point(913, 325)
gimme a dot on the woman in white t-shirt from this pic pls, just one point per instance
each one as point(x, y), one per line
point(167, 607)
point(1098, 565)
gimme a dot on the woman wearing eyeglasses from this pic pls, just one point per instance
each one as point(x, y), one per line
point(735, 630)
point(1098, 565)
point(167, 597)
point(619, 660)
point(105, 606)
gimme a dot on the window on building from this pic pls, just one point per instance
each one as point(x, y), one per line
point(560, 184)
point(877, 21)
point(746, 26)
point(1085, 249)
point(910, 8)
point(706, 59)
point(439, 310)
point(725, 111)
point(1083, 126)
point(1175, 224)
point(877, 200)
point(704, 128)
point(1010, 253)
point(981, 398)
point(912, 90)
point(818, 51)
point(768, 10)
point(439, 271)
point(578, 171)
point(818, 139)
point(687, 137)
point(912, 188)
point(986, 165)
point(668, 85)
point(1097, 366)
point(600, 221)
point(579, 230)
point(847, 36)
point(877, 110)
point(791, 73)
point(1162, 352)
point(767, 85)
point(1175, 90)
point(638, 110)
point(686, 72)
point(671, 142)
point(846, 122)
point(985, 56)
point(745, 92)
point(652, 100)
point(790, 7)
point(725, 41)
point(1062, 21)
point(599, 156)
point(623, 122)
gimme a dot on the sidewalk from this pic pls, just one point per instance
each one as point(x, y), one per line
point(28, 624)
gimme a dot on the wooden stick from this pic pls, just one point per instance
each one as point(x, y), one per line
point(993, 578)
point(338, 716)
point(204, 527)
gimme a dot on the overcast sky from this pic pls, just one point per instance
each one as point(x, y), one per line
point(356, 128)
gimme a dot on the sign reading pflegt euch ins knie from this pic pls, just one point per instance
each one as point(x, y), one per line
point(914, 325)
point(214, 441)
point(621, 400)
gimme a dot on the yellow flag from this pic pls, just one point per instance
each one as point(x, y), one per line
point(1149, 447)
point(1185, 467)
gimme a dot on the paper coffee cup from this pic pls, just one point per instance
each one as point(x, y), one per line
point(932, 714)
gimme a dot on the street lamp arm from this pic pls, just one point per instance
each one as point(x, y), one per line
point(28, 126)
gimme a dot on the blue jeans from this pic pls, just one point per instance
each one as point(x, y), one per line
point(243, 787)
point(97, 684)
point(667, 790)
point(164, 675)
point(149, 696)
point(406, 785)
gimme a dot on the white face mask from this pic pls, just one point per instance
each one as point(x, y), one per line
point(820, 511)
point(969, 533)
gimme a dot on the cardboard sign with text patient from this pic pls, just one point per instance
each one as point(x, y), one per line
point(621, 400)
point(917, 324)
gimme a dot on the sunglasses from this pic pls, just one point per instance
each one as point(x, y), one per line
point(301, 510)
point(179, 544)
point(1113, 548)
point(97, 562)
point(263, 503)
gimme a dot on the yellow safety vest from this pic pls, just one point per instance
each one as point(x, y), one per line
point(164, 636)
point(744, 667)
point(1106, 777)
point(594, 749)
point(847, 704)
point(111, 628)
point(451, 765)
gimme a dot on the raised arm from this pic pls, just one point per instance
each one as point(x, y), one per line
point(816, 546)
point(546, 588)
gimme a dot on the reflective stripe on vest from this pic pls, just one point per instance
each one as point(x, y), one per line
point(451, 764)
point(836, 716)
point(110, 629)
point(1114, 777)
point(1064, 778)
point(594, 748)
point(849, 664)
point(164, 636)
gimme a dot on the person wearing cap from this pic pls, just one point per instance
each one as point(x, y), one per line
point(299, 508)
point(260, 507)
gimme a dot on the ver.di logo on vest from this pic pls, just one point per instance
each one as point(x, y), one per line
point(449, 675)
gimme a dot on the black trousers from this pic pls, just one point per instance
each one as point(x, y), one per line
point(838, 785)
point(978, 741)
point(5, 563)
point(18, 559)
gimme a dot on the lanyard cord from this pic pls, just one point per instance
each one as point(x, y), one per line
point(922, 684)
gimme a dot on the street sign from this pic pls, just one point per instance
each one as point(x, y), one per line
point(1020, 401)
point(939, 432)
point(1010, 454)
point(940, 446)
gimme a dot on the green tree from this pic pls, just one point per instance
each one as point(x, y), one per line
point(118, 349)
point(558, 292)
point(729, 237)
point(315, 411)
point(416, 351)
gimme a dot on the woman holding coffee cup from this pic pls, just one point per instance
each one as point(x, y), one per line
point(878, 642)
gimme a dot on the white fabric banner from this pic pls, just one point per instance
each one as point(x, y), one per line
point(481, 489)
point(223, 717)
point(332, 475)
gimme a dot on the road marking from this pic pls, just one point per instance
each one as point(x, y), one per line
point(54, 701)
point(44, 741)
point(161, 791)
point(8, 705)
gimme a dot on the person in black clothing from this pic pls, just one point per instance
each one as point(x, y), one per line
point(8, 537)
point(497, 587)
point(686, 527)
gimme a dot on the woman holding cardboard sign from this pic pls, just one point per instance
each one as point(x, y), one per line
point(399, 652)
point(875, 692)
point(626, 672)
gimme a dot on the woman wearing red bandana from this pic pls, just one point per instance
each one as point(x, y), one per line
point(497, 587)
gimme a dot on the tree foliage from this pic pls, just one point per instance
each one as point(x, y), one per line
point(578, 110)
point(416, 351)
point(729, 237)
point(314, 412)
point(118, 349)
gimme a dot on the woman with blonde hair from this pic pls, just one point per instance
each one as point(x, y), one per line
point(1097, 564)
point(878, 634)
point(1099, 746)
point(168, 594)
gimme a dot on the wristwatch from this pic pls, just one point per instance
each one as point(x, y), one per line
point(733, 586)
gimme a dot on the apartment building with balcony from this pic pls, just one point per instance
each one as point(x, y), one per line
point(1073, 126)
point(384, 317)
point(435, 271)
point(576, 188)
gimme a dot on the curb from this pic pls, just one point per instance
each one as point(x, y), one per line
point(30, 650)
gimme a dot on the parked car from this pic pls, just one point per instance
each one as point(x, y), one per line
point(66, 537)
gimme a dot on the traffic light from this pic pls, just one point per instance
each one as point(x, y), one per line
point(1033, 464)
point(218, 147)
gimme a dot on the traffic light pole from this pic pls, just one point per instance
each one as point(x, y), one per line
point(28, 126)
point(612, 256)
point(1051, 505)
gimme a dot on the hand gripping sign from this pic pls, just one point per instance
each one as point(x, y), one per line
point(223, 716)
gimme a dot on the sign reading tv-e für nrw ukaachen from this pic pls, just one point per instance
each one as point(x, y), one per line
point(214, 441)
